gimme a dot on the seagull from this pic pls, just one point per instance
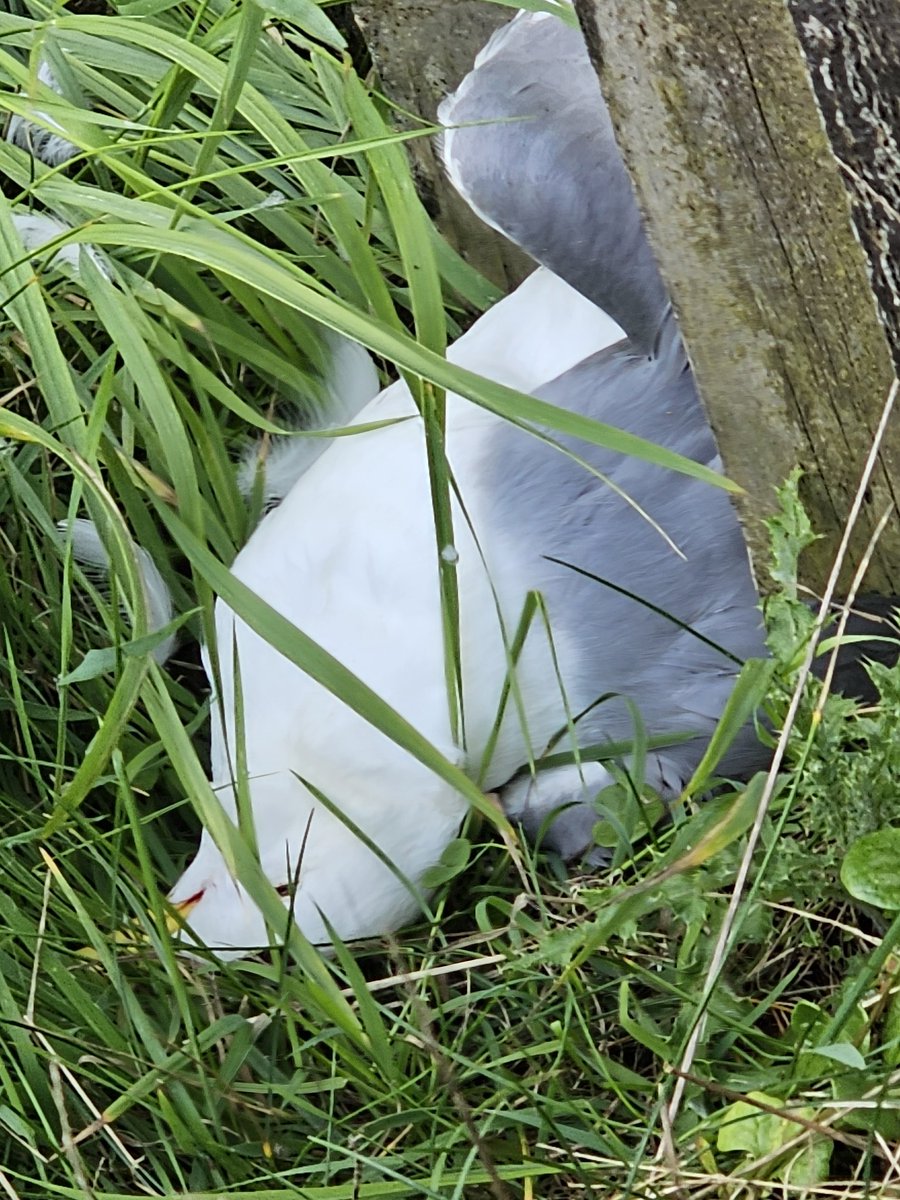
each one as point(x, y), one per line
point(647, 596)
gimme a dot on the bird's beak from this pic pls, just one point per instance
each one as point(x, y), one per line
point(181, 911)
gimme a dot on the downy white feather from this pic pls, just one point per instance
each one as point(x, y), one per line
point(39, 139)
point(38, 231)
point(89, 551)
point(351, 382)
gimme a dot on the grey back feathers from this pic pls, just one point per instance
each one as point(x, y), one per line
point(578, 521)
point(541, 165)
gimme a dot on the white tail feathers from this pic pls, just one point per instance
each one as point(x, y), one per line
point(51, 148)
point(351, 382)
point(38, 230)
point(89, 551)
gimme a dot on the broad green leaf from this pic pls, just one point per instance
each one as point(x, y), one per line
point(718, 824)
point(749, 1129)
point(559, 8)
point(99, 661)
point(642, 1028)
point(453, 862)
point(843, 1053)
point(870, 869)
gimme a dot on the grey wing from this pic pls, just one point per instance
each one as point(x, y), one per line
point(545, 170)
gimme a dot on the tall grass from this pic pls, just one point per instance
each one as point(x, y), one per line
point(245, 189)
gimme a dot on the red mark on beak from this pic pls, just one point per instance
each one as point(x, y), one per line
point(186, 906)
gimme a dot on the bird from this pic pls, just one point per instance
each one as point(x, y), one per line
point(643, 574)
point(647, 600)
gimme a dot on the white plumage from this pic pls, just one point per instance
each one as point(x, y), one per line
point(349, 556)
point(351, 381)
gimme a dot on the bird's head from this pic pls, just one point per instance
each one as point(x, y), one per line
point(213, 909)
point(325, 873)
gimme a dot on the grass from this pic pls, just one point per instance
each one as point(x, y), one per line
point(246, 184)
